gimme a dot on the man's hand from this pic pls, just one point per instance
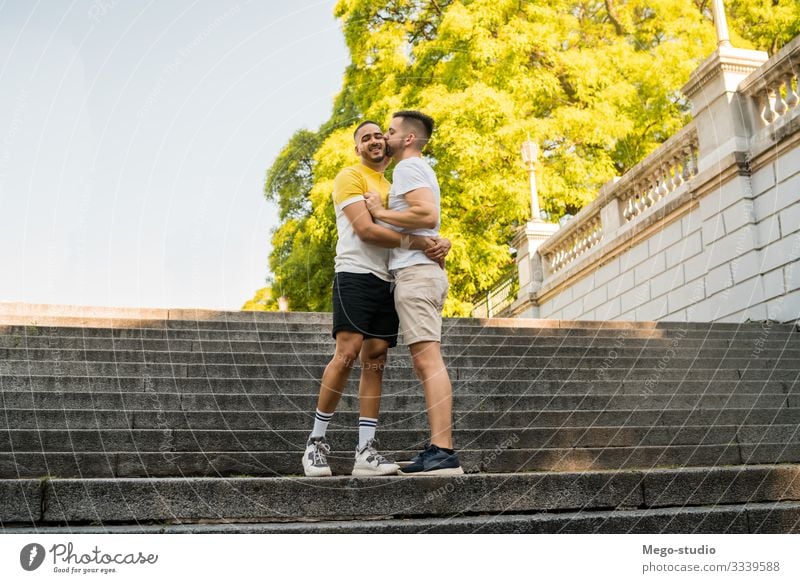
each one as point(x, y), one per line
point(374, 203)
point(439, 250)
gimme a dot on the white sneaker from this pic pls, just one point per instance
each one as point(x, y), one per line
point(370, 463)
point(315, 461)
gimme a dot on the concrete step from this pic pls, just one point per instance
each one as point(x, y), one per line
point(45, 359)
point(462, 419)
point(306, 333)
point(176, 500)
point(33, 313)
point(772, 382)
point(411, 401)
point(111, 464)
point(279, 372)
point(461, 344)
point(755, 518)
point(243, 320)
point(261, 438)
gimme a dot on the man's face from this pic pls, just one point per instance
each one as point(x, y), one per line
point(370, 144)
point(395, 137)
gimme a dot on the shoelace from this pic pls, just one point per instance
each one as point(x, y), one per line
point(321, 449)
point(371, 447)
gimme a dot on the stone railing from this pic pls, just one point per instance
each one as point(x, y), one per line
point(497, 299)
point(587, 232)
point(659, 175)
point(773, 88)
point(625, 200)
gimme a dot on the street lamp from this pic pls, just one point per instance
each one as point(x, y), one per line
point(530, 152)
point(720, 23)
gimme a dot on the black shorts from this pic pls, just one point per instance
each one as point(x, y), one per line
point(364, 303)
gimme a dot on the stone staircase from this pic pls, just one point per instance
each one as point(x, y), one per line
point(194, 421)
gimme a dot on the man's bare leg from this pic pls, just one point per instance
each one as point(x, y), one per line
point(431, 370)
point(368, 461)
point(334, 378)
point(373, 360)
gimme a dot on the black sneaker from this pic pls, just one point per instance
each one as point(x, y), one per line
point(433, 461)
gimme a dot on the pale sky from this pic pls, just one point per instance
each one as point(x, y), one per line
point(134, 140)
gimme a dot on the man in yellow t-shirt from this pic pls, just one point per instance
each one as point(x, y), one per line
point(364, 318)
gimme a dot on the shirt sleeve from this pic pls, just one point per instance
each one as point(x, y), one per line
point(348, 187)
point(410, 176)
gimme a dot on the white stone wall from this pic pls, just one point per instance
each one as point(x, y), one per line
point(734, 257)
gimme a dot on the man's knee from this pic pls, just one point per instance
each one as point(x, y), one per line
point(373, 355)
point(347, 351)
point(428, 359)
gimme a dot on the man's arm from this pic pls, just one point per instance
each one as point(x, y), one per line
point(369, 232)
point(421, 213)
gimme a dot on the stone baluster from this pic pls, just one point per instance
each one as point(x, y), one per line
point(792, 98)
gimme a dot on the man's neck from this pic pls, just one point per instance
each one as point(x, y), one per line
point(408, 153)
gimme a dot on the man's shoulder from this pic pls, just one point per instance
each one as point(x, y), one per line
point(414, 166)
point(353, 171)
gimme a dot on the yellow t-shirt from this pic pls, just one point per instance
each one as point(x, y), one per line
point(352, 254)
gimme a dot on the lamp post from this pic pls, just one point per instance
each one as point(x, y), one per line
point(720, 23)
point(530, 152)
point(530, 267)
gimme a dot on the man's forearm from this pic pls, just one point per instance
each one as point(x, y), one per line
point(389, 239)
point(413, 218)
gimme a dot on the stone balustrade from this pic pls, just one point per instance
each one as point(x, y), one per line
point(621, 201)
point(674, 163)
point(773, 88)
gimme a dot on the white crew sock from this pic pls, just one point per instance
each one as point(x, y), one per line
point(321, 421)
point(366, 430)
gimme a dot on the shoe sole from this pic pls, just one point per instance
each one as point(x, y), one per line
point(439, 472)
point(370, 472)
point(317, 473)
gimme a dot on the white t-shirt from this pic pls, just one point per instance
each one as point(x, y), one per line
point(352, 254)
point(410, 174)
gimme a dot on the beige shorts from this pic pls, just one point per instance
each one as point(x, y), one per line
point(419, 295)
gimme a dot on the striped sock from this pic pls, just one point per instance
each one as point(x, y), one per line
point(321, 421)
point(366, 430)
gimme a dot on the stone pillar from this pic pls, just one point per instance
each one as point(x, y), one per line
point(723, 118)
point(529, 264)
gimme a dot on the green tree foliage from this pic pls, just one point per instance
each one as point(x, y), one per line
point(262, 301)
point(595, 83)
point(765, 25)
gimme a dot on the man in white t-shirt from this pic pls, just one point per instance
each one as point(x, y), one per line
point(420, 283)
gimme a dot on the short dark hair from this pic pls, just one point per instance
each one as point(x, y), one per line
point(421, 123)
point(362, 124)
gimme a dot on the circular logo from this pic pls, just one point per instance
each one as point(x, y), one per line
point(31, 556)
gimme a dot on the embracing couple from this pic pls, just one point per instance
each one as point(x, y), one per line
point(389, 275)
